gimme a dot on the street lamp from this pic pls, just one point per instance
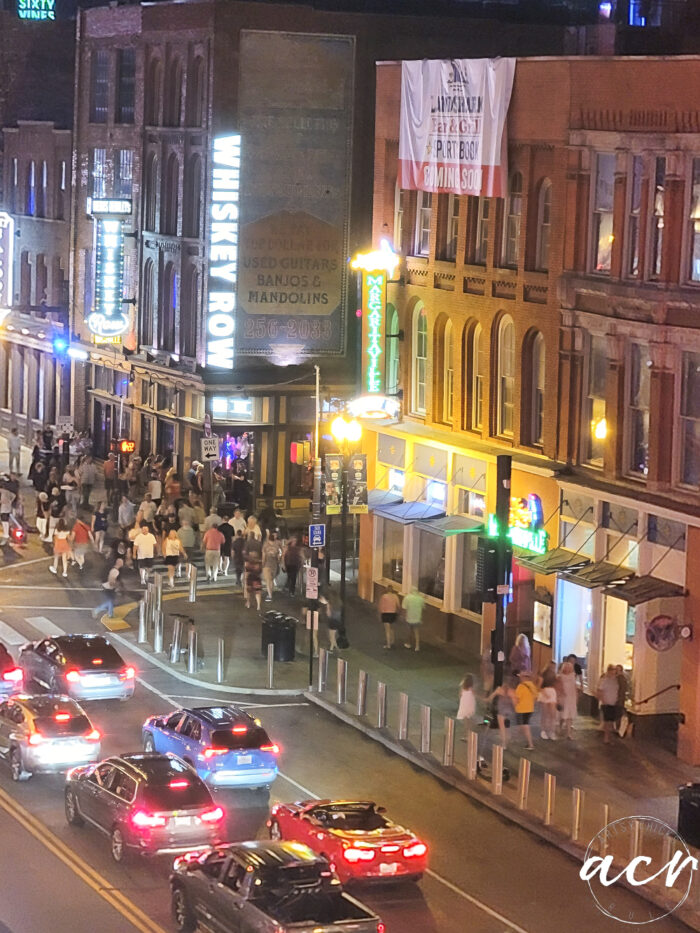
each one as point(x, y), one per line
point(345, 432)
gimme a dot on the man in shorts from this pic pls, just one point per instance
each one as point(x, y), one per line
point(608, 688)
point(389, 607)
point(144, 549)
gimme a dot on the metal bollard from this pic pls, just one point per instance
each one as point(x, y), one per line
point(176, 643)
point(220, 661)
point(604, 839)
point(550, 790)
point(270, 666)
point(158, 631)
point(192, 651)
point(362, 693)
point(497, 769)
point(523, 782)
point(448, 747)
point(425, 729)
point(143, 627)
point(636, 839)
point(322, 669)
point(150, 604)
point(342, 682)
point(158, 589)
point(576, 813)
point(472, 754)
point(192, 578)
point(381, 705)
point(403, 717)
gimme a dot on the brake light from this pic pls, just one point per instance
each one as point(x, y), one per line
point(94, 736)
point(36, 738)
point(62, 717)
point(18, 534)
point(239, 730)
point(97, 661)
point(210, 752)
point(73, 677)
point(178, 785)
point(381, 928)
point(13, 676)
point(127, 674)
point(274, 748)
point(358, 855)
point(143, 820)
point(212, 816)
point(415, 850)
point(390, 848)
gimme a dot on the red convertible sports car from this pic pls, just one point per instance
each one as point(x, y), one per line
point(354, 835)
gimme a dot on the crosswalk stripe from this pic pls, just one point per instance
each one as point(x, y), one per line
point(9, 636)
point(45, 626)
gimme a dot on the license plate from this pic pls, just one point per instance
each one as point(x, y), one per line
point(388, 868)
point(94, 680)
point(181, 821)
point(244, 759)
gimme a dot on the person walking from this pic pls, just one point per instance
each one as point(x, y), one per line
point(525, 696)
point(144, 546)
point(42, 516)
point(227, 531)
point(126, 513)
point(413, 605)
point(173, 552)
point(99, 526)
point(56, 506)
point(389, 607)
point(608, 691)
point(252, 554)
point(212, 539)
point(148, 509)
point(622, 688)
point(213, 519)
point(61, 547)
point(186, 536)
point(109, 469)
point(237, 553)
point(14, 448)
point(270, 563)
point(87, 476)
point(502, 698)
point(520, 657)
point(80, 537)
point(547, 698)
point(110, 586)
point(292, 560)
point(331, 602)
point(155, 487)
point(238, 522)
point(567, 697)
point(467, 704)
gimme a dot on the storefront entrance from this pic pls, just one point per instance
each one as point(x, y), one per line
point(573, 621)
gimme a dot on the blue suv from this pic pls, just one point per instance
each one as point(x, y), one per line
point(224, 744)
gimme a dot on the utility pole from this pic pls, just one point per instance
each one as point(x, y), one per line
point(313, 605)
point(504, 554)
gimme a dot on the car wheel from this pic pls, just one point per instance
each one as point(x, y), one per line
point(71, 807)
point(117, 845)
point(16, 769)
point(182, 912)
point(148, 744)
point(275, 830)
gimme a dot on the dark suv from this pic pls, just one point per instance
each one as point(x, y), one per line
point(85, 667)
point(146, 803)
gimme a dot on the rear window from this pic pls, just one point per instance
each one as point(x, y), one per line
point(85, 651)
point(53, 728)
point(163, 797)
point(240, 741)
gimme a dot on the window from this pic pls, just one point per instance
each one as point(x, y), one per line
point(544, 225)
point(694, 224)
point(147, 306)
point(506, 376)
point(431, 564)
point(188, 314)
point(99, 86)
point(399, 213)
point(478, 369)
point(635, 202)
point(392, 551)
point(195, 93)
point(665, 532)
point(61, 186)
point(690, 420)
point(170, 196)
point(173, 92)
point(534, 401)
point(193, 195)
point(153, 84)
point(657, 218)
point(151, 192)
point(30, 202)
point(602, 232)
point(397, 481)
point(424, 212)
point(123, 173)
point(471, 596)
point(41, 194)
point(594, 427)
point(167, 309)
point(420, 359)
point(638, 409)
point(482, 231)
point(472, 503)
point(126, 85)
point(392, 351)
point(511, 226)
point(448, 377)
point(451, 229)
point(98, 173)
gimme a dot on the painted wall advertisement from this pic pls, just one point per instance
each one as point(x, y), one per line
point(295, 107)
point(452, 136)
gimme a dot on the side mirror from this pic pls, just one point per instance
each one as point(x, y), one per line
point(380, 809)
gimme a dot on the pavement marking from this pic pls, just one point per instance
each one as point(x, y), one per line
point(45, 626)
point(25, 563)
point(100, 885)
point(476, 902)
point(243, 705)
point(11, 636)
point(53, 609)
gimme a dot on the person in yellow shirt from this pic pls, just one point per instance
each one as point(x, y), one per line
point(525, 696)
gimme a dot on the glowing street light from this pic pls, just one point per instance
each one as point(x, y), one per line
point(346, 431)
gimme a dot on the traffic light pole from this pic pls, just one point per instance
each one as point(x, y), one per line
point(503, 565)
point(315, 517)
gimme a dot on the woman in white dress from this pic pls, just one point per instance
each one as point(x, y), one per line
point(567, 696)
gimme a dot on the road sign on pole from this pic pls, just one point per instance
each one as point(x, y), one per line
point(210, 448)
point(312, 582)
point(317, 535)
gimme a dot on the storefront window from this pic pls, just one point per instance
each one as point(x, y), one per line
point(623, 552)
point(431, 564)
point(580, 539)
point(573, 620)
point(436, 493)
point(471, 594)
point(472, 503)
point(620, 625)
point(392, 551)
point(397, 481)
point(301, 475)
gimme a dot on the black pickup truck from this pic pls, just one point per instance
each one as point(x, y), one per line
point(264, 887)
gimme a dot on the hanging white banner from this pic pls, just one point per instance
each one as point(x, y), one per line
point(453, 125)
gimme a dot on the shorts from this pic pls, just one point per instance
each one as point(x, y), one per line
point(522, 719)
point(172, 560)
point(609, 712)
point(145, 562)
point(388, 618)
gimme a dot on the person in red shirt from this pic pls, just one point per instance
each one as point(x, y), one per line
point(211, 542)
point(80, 537)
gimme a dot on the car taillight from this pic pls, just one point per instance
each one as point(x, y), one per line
point(62, 717)
point(97, 661)
point(36, 738)
point(239, 730)
point(274, 748)
point(358, 855)
point(143, 820)
point(210, 752)
point(381, 928)
point(212, 816)
point(178, 785)
point(17, 534)
point(127, 674)
point(415, 850)
point(73, 677)
point(390, 848)
point(94, 736)
point(13, 676)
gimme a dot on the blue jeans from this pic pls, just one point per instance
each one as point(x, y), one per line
point(108, 604)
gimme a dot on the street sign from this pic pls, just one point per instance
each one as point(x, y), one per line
point(312, 582)
point(207, 425)
point(317, 535)
point(210, 448)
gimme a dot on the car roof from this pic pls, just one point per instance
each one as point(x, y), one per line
point(220, 715)
point(150, 764)
point(267, 854)
point(69, 641)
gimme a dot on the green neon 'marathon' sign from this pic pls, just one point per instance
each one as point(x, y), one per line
point(375, 288)
point(528, 539)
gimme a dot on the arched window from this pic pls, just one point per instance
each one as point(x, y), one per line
point(30, 201)
point(392, 350)
point(195, 93)
point(147, 304)
point(533, 388)
point(475, 358)
point(150, 196)
point(420, 359)
point(188, 313)
point(511, 226)
point(506, 376)
point(167, 309)
point(544, 220)
point(173, 94)
point(448, 373)
point(153, 92)
point(191, 211)
point(170, 196)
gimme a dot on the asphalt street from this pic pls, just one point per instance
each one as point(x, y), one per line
point(486, 875)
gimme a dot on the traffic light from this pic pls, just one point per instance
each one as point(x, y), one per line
point(300, 452)
point(126, 447)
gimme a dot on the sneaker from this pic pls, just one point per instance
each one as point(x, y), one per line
point(64, 574)
point(543, 735)
point(416, 649)
point(406, 645)
point(52, 570)
point(552, 736)
point(530, 748)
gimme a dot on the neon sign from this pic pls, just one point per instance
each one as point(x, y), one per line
point(375, 288)
point(7, 243)
point(525, 524)
point(108, 321)
point(36, 9)
point(223, 251)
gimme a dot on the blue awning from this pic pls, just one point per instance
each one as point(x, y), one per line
point(376, 498)
point(451, 525)
point(407, 512)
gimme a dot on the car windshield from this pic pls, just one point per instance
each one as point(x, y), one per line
point(91, 653)
point(360, 817)
point(56, 726)
point(252, 738)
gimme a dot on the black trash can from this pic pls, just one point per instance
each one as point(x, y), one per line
point(279, 631)
point(689, 814)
